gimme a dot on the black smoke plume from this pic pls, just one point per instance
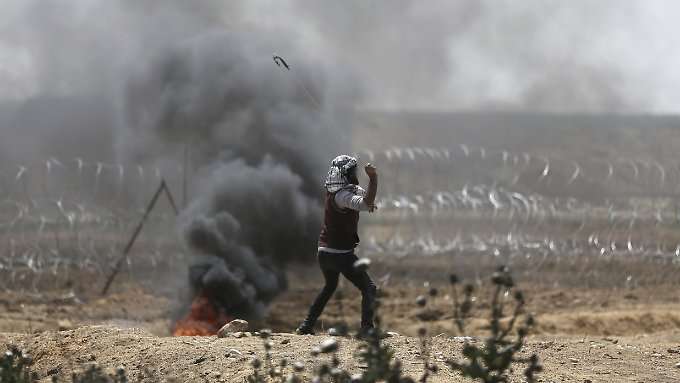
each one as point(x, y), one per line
point(260, 140)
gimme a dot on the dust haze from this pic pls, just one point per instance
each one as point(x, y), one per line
point(66, 66)
point(138, 82)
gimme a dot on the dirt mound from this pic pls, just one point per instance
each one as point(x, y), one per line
point(574, 312)
point(189, 359)
point(618, 322)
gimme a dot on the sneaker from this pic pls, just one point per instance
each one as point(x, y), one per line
point(304, 329)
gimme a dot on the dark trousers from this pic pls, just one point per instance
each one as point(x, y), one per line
point(332, 265)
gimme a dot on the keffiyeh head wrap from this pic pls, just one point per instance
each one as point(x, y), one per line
point(338, 174)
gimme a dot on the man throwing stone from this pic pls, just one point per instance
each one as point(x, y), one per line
point(338, 238)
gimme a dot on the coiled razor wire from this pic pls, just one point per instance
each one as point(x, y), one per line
point(62, 216)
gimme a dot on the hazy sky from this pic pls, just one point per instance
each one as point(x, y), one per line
point(568, 55)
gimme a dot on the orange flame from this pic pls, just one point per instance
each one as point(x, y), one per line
point(203, 319)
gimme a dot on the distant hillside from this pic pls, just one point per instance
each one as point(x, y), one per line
point(593, 157)
point(644, 136)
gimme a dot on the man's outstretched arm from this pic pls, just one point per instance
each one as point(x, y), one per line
point(372, 174)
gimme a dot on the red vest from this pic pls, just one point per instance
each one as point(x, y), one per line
point(339, 230)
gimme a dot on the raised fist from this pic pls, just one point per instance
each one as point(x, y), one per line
point(370, 170)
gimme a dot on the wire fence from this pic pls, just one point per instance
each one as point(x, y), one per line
point(61, 218)
point(510, 207)
point(64, 220)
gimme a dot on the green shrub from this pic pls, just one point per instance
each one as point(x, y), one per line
point(14, 367)
point(275, 373)
point(95, 374)
point(493, 362)
point(490, 363)
point(379, 359)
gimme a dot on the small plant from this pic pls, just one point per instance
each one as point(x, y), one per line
point(461, 310)
point(14, 367)
point(489, 364)
point(257, 376)
point(376, 355)
point(265, 335)
point(95, 374)
point(381, 365)
point(492, 363)
point(330, 372)
point(275, 373)
point(298, 368)
point(429, 368)
point(379, 360)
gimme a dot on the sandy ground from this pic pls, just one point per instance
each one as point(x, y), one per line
point(597, 335)
point(189, 359)
point(559, 311)
point(601, 334)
